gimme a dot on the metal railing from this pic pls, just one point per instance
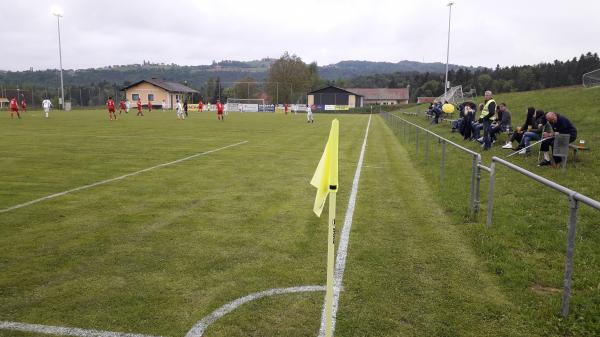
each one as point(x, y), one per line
point(574, 199)
point(477, 166)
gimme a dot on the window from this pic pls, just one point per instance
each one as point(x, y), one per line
point(151, 97)
point(135, 97)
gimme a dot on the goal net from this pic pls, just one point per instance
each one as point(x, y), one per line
point(591, 79)
point(453, 95)
point(244, 104)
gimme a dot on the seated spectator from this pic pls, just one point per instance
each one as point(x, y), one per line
point(468, 115)
point(476, 127)
point(560, 125)
point(535, 133)
point(503, 123)
point(518, 134)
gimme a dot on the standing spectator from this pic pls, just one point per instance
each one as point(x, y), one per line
point(220, 110)
point(560, 125)
point(110, 105)
point(487, 113)
point(139, 107)
point(14, 108)
point(46, 104)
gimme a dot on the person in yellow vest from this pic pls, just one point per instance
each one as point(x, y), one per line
point(487, 116)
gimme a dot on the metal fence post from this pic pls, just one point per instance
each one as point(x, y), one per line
point(478, 184)
point(473, 178)
point(569, 259)
point(426, 147)
point(488, 224)
point(416, 143)
point(443, 159)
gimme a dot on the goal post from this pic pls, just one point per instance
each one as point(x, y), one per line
point(591, 79)
point(453, 95)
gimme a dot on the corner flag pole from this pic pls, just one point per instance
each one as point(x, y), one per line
point(330, 263)
point(325, 180)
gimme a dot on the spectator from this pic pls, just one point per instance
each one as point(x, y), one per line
point(535, 133)
point(437, 113)
point(560, 125)
point(518, 134)
point(487, 116)
point(503, 123)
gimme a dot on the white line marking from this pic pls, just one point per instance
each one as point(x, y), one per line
point(64, 331)
point(117, 178)
point(340, 261)
point(201, 326)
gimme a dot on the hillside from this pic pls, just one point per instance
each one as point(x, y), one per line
point(227, 71)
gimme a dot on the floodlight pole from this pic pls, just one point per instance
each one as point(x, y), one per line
point(62, 89)
point(448, 48)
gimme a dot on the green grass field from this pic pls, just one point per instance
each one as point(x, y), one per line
point(155, 252)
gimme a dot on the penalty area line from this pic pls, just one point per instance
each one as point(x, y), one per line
point(117, 178)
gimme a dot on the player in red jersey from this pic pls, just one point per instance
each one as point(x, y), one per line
point(200, 105)
point(14, 108)
point(139, 107)
point(149, 105)
point(122, 107)
point(220, 110)
point(110, 105)
point(285, 106)
point(23, 105)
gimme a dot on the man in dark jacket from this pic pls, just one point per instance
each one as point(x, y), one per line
point(560, 125)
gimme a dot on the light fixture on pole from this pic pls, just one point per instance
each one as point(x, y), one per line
point(57, 11)
point(448, 48)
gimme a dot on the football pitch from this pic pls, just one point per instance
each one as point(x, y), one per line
point(148, 225)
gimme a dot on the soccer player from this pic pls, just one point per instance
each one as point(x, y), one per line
point(23, 105)
point(149, 105)
point(139, 107)
point(179, 109)
point(309, 117)
point(110, 105)
point(122, 107)
point(127, 106)
point(14, 108)
point(164, 105)
point(285, 106)
point(46, 104)
point(185, 108)
point(200, 106)
point(220, 111)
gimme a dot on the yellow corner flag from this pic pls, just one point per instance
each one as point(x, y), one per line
point(326, 182)
point(326, 175)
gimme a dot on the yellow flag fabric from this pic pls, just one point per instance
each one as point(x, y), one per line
point(326, 175)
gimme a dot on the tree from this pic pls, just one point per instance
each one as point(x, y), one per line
point(290, 78)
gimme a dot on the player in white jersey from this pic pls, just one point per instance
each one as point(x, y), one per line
point(179, 108)
point(309, 117)
point(46, 104)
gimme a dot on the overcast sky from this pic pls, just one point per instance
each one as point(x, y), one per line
point(109, 32)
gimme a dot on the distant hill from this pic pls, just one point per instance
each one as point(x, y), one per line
point(227, 71)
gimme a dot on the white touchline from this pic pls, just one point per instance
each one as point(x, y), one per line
point(64, 331)
point(201, 326)
point(117, 178)
point(340, 260)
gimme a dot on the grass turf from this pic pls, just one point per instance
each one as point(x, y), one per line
point(156, 252)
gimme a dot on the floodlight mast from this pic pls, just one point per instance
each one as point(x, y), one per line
point(448, 46)
point(57, 11)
